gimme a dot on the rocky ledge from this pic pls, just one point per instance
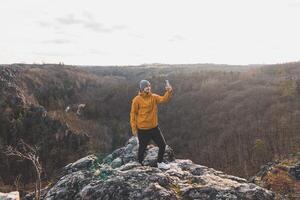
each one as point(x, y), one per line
point(281, 176)
point(10, 196)
point(119, 176)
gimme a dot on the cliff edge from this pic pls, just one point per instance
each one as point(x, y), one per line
point(120, 176)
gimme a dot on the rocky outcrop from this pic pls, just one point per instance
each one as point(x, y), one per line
point(10, 196)
point(119, 176)
point(281, 176)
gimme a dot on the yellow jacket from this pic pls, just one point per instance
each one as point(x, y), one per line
point(143, 114)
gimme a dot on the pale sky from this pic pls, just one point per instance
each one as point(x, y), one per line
point(132, 32)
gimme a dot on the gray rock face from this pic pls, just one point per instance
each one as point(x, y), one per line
point(10, 196)
point(81, 164)
point(120, 176)
point(128, 153)
point(295, 171)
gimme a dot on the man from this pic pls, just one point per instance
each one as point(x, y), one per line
point(144, 120)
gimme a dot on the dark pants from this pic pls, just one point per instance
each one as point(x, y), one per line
point(144, 138)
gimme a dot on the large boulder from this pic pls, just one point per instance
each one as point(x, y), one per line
point(10, 196)
point(119, 176)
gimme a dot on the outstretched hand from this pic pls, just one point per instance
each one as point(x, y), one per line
point(169, 88)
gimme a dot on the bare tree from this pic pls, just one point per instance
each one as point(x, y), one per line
point(27, 152)
point(17, 182)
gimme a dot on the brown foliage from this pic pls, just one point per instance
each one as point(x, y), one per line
point(216, 117)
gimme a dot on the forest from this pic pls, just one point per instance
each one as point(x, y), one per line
point(231, 118)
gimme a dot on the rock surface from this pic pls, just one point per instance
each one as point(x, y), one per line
point(119, 176)
point(282, 177)
point(10, 196)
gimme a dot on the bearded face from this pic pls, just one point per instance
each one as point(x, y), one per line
point(147, 89)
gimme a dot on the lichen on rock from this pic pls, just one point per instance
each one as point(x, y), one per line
point(119, 176)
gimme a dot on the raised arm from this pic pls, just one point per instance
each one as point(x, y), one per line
point(164, 99)
point(133, 116)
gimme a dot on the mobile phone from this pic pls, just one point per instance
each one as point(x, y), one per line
point(167, 83)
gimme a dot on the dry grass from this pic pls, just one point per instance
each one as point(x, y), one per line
point(279, 181)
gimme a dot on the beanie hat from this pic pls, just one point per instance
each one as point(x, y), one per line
point(143, 84)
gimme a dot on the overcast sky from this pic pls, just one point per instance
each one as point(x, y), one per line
point(132, 32)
